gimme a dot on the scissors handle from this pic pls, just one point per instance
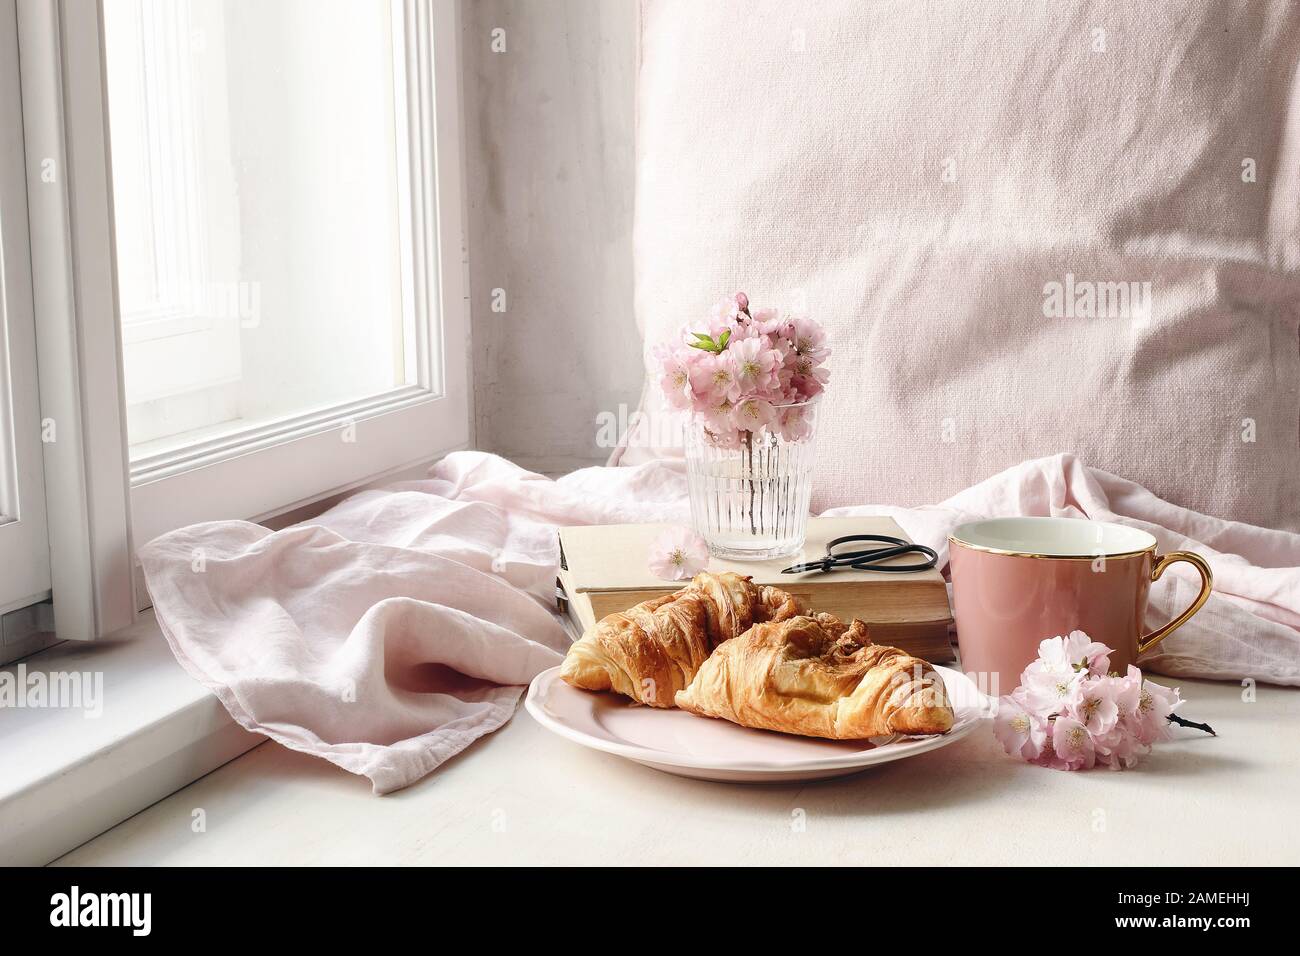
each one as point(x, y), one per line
point(931, 559)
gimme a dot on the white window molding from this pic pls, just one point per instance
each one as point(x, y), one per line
point(101, 501)
point(24, 550)
point(277, 466)
point(78, 346)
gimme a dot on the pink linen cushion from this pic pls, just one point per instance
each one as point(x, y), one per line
point(1029, 228)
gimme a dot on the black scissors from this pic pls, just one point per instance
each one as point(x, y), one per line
point(868, 559)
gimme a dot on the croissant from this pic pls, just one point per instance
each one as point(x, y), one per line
point(651, 651)
point(816, 677)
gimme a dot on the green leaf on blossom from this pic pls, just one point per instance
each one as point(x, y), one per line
point(707, 343)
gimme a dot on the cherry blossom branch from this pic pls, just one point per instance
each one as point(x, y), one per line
point(1184, 722)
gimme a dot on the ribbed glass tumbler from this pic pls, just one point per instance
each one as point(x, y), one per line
point(750, 490)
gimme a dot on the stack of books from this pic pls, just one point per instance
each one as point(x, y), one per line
point(604, 569)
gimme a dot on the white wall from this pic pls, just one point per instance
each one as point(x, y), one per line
point(549, 151)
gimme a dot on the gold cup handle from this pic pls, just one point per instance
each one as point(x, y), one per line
point(1207, 581)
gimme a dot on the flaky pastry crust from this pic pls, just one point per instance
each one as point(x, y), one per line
point(816, 677)
point(651, 651)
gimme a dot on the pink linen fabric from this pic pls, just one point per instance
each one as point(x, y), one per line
point(403, 624)
point(1029, 228)
point(394, 630)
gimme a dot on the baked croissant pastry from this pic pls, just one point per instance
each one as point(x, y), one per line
point(651, 651)
point(816, 677)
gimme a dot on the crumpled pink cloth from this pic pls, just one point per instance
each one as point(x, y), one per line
point(401, 625)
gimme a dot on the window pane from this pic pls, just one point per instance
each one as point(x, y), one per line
point(257, 198)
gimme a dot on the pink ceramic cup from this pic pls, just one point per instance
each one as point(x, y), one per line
point(1017, 581)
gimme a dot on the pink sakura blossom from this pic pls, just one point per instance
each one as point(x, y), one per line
point(805, 379)
point(1083, 651)
point(1072, 744)
point(1048, 683)
point(725, 314)
point(744, 369)
point(713, 378)
point(1076, 650)
point(675, 376)
point(1149, 720)
point(809, 339)
point(1019, 729)
point(1092, 703)
point(753, 414)
point(678, 554)
point(1071, 714)
point(1061, 663)
point(793, 424)
point(755, 364)
point(769, 322)
point(719, 426)
point(1118, 749)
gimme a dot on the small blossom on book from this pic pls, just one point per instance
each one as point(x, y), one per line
point(678, 554)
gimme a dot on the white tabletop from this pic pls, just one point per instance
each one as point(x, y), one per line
point(524, 796)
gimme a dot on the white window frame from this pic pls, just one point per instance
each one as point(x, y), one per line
point(76, 330)
point(24, 546)
point(110, 502)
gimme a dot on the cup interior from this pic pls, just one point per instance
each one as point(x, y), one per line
point(1053, 537)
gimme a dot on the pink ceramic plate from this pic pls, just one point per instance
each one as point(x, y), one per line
point(681, 743)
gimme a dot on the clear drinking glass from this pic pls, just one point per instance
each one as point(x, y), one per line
point(749, 499)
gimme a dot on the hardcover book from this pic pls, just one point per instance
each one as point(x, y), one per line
point(603, 570)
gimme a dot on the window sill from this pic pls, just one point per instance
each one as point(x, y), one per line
point(69, 776)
